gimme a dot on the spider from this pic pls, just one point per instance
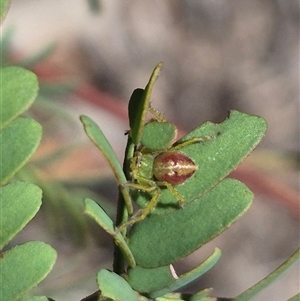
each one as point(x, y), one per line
point(159, 163)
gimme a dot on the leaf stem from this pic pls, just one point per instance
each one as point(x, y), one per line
point(255, 289)
point(122, 213)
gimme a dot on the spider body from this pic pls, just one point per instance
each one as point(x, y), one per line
point(158, 164)
point(173, 167)
point(152, 170)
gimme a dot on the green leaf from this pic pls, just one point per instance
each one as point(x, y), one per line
point(150, 280)
point(19, 89)
point(4, 6)
point(232, 141)
point(115, 287)
point(138, 106)
point(190, 276)
point(163, 239)
point(99, 215)
point(98, 138)
point(137, 109)
point(160, 281)
point(19, 202)
point(23, 267)
point(166, 132)
point(18, 141)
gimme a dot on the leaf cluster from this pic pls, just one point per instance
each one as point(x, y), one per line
point(24, 266)
point(168, 234)
point(147, 247)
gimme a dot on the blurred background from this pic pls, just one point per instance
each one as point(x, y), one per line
point(218, 56)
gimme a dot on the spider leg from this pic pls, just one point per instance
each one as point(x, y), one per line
point(142, 213)
point(176, 194)
point(190, 141)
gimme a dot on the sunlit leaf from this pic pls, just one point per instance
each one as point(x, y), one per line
point(18, 141)
point(19, 89)
point(98, 138)
point(115, 287)
point(23, 267)
point(99, 215)
point(19, 202)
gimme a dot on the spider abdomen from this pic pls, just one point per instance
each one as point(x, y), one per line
point(173, 167)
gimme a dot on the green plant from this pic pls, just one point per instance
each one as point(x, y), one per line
point(162, 233)
point(19, 201)
point(171, 222)
point(23, 266)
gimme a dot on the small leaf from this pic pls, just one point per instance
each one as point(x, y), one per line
point(99, 215)
point(137, 109)
point(18, 141)
point(166, 132)
point(150, 280)
point(98, 138)
point(138, 106)
point(23, 267)
point(115, 287)
point(19, 202)
point(160, 281)
point(190, 276)
point(19, 89)
point(163, 239)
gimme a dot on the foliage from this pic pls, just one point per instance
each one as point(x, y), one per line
point(23, 266)
point(62, 205)
point(173, 220)
point(158, 235)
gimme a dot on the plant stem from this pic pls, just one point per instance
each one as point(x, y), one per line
point(255, 289)
point(118, 264)
point(122, 213)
